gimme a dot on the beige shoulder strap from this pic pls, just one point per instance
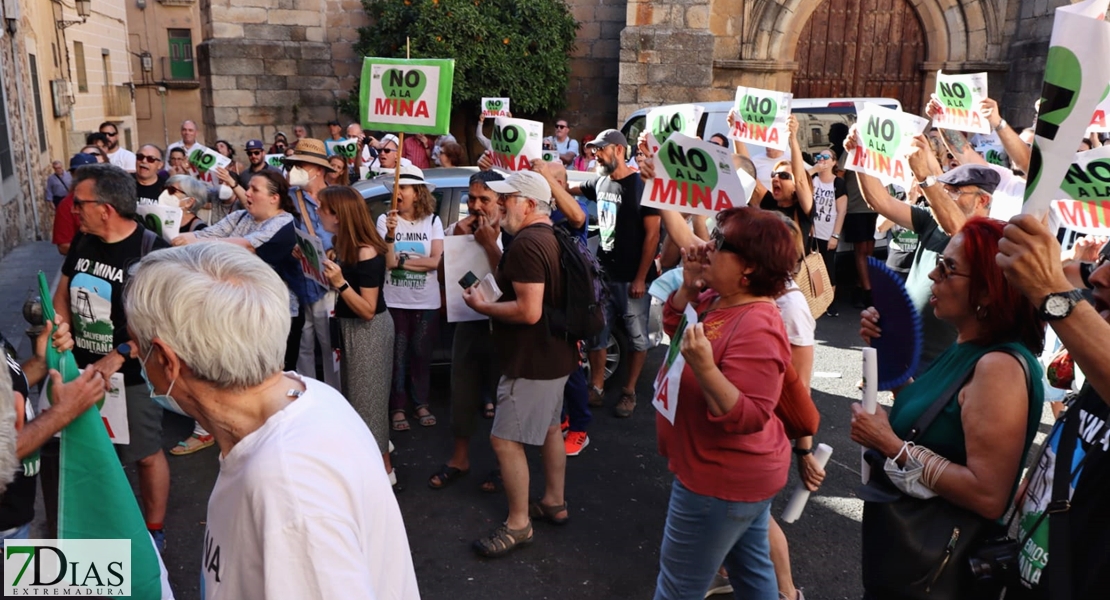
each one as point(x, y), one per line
point(304, 213)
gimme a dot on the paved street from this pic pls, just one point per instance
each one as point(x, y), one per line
point(617, 490)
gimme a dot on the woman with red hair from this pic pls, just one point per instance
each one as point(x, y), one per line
point(727, 449)
point(971, 453)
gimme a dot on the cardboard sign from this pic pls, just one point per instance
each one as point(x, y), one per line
point(276, 161)
point(161, 219)
point(886, 139)
point(1075, 76)
point(959, 97)
point(665, 120)
point(761, 117)
point(495, 107)
point(112, 407)
point(205, 159)
point(696, 177)
point(462, 255)
point(312, 257)
point(1092, 218)
point(413, 96)
point(347, 148)
point(666, 388)
point(1088, 178)
point(516, 143)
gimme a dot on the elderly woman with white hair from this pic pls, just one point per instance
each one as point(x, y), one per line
point(190, 195)
point(298, 467)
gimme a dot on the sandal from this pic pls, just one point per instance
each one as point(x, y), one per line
point(399, 424)
point(490, 410)
point(502, 541)
point(445, 476)
point(193, 443)
point(538, 510)
point(427, 419)
point(626, 405)
point(492, 483)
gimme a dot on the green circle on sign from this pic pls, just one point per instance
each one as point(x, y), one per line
point(404, 85)
point(694, 166)
point(758, 110)
point(510, 139)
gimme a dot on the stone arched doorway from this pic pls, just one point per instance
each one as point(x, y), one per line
point(862, 48)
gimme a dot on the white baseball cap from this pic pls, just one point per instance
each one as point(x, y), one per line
point(526, 183)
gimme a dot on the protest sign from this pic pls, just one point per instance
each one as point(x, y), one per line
point(204, 159)
point(885, 140)
point(994, 154)
point(665, 120)
point(550, 156)
point(1076, 72)
point(462, 255)
point(112, 408)
point(1091, 218)
point(1099, 121)
point(409, 95)
point(693, 176)
point(161, 219)
point(347, 148)
point(959, 97)
point(516, 142)
point(311, 257)
point(665, 395)
point(761, 117)
point(495, 107)
point(1088, 177)
point(276, 161)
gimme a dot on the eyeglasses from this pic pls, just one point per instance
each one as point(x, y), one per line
point(946, 267)
point(955, 193)
point(561, 127)
point(78, 203)
point(783, 175)
point(172, 190)
point(147, 158)
point(720, 243)
point(110, 134)
point(822, 156)
point(254, 153)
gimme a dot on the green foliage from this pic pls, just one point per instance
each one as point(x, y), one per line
point(514, 48)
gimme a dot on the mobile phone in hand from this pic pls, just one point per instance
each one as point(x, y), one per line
point(468, 280)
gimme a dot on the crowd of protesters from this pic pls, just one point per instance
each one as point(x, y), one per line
point(354, 352)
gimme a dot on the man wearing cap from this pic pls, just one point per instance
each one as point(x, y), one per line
point(66, 223)
point(954, 197)
point(534, 363)
point(335, 131)
point(121, 157)
point(629, 243)
point(386, 161)
point(150, 179)
point(307, 166)
point(256, 155)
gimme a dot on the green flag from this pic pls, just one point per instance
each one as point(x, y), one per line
point(95, 500)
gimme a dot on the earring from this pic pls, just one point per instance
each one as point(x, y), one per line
point(981, 312)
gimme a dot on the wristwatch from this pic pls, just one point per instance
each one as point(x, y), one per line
point(1059, 305)
point(929, 181)
point(802, 451)
point(835, 236)
point(1001, 125)
point(125, 350)
point(343, 287)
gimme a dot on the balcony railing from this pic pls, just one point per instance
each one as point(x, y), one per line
point(117, 100)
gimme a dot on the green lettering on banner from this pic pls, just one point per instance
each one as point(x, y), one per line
point(758, 110)
point(347, 150)
point(202, 160)
point(1090, 183)
point(665, 125)
point(509, 140)
point(403, 85)
point(882, 136)
point(494, 105)
point(955, 95)
point(692, 166)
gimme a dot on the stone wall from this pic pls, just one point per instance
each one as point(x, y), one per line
point(1029, 27)
point(594, 66)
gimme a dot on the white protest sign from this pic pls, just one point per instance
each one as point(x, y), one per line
point(205, 159)
point(665, 120)
point(347, 148)
point(885, 140)
point(550, 156)
point(1075, 76)
point(495, 107)
point(761, 117)
point(1099, 121)
point(1088, 177)
point(516, 143)
point(665, 396)
point(1091, 218)
point(311, 257)
point(959, 97)
point(462, 255)
point(161, 219)
point(697, 177)
point(113, 409)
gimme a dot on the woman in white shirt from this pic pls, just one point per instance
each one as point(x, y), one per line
point(414, 235)
point(830, 204)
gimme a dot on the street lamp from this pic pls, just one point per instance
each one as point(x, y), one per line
point(84, 9)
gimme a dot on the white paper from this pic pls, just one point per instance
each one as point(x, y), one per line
point(665, 120)
point(161, 219)
point(695, 177)
point(960, 96)
point(205, 159)
point(870, 399)
point(801, 494)
point(761, 117)
point(461, 254)
point(489, 288)
point(886, 139)
point(665, 395)
point(113, 412)
point(1083, 217)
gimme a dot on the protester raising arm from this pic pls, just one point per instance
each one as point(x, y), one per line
point(741, 149)
point(803, 187)
point(875, 194)
point(563, 200)
point(1018, 151)
point(923, 163)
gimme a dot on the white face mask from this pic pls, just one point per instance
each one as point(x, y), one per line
point(168, 199)
point(298, 177)
point(907, 478)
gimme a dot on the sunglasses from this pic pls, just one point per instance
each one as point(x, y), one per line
point(147, 158)
point(720, 243)
point(172, 190)
point(822, 156)
point(254, 153)
point(561, 127)
point(110, 134)
point(387, 150)
point(783, 175)
point(947, 268)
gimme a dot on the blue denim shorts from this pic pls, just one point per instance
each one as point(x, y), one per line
point(633, 311)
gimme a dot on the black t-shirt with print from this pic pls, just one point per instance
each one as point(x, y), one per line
point(17, 504)
point(148, 194)
point(621, 221)
point(98, 273)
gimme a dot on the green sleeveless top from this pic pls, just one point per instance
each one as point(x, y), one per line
point(946, 434)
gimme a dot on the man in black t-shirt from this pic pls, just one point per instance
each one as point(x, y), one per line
point(150, 179)
point(629, 244)
point(90, 298)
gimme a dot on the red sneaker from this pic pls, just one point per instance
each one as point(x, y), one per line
point(576, 441)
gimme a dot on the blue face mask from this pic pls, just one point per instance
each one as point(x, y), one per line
point(164, 400)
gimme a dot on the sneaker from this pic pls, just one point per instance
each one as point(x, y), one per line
point(159, 537)
point(576, 441)
point(597, 397)
point(832, 312)
point(720, 585)
point(626, 405)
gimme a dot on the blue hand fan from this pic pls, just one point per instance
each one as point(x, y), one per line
point(899, 348)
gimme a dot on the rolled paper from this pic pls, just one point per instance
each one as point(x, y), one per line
point(870, 400)
point(801, 494)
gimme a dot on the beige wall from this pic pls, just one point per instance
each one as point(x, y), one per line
point(106, 29)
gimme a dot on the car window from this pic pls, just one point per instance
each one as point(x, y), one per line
point(633, 129)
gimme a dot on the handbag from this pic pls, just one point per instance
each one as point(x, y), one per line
point(919, 549)
point(813, 281)
point(796, 409)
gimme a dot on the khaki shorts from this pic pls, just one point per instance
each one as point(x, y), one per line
point(527, 408)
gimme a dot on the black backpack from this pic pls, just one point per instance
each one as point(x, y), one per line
point(582, 316)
